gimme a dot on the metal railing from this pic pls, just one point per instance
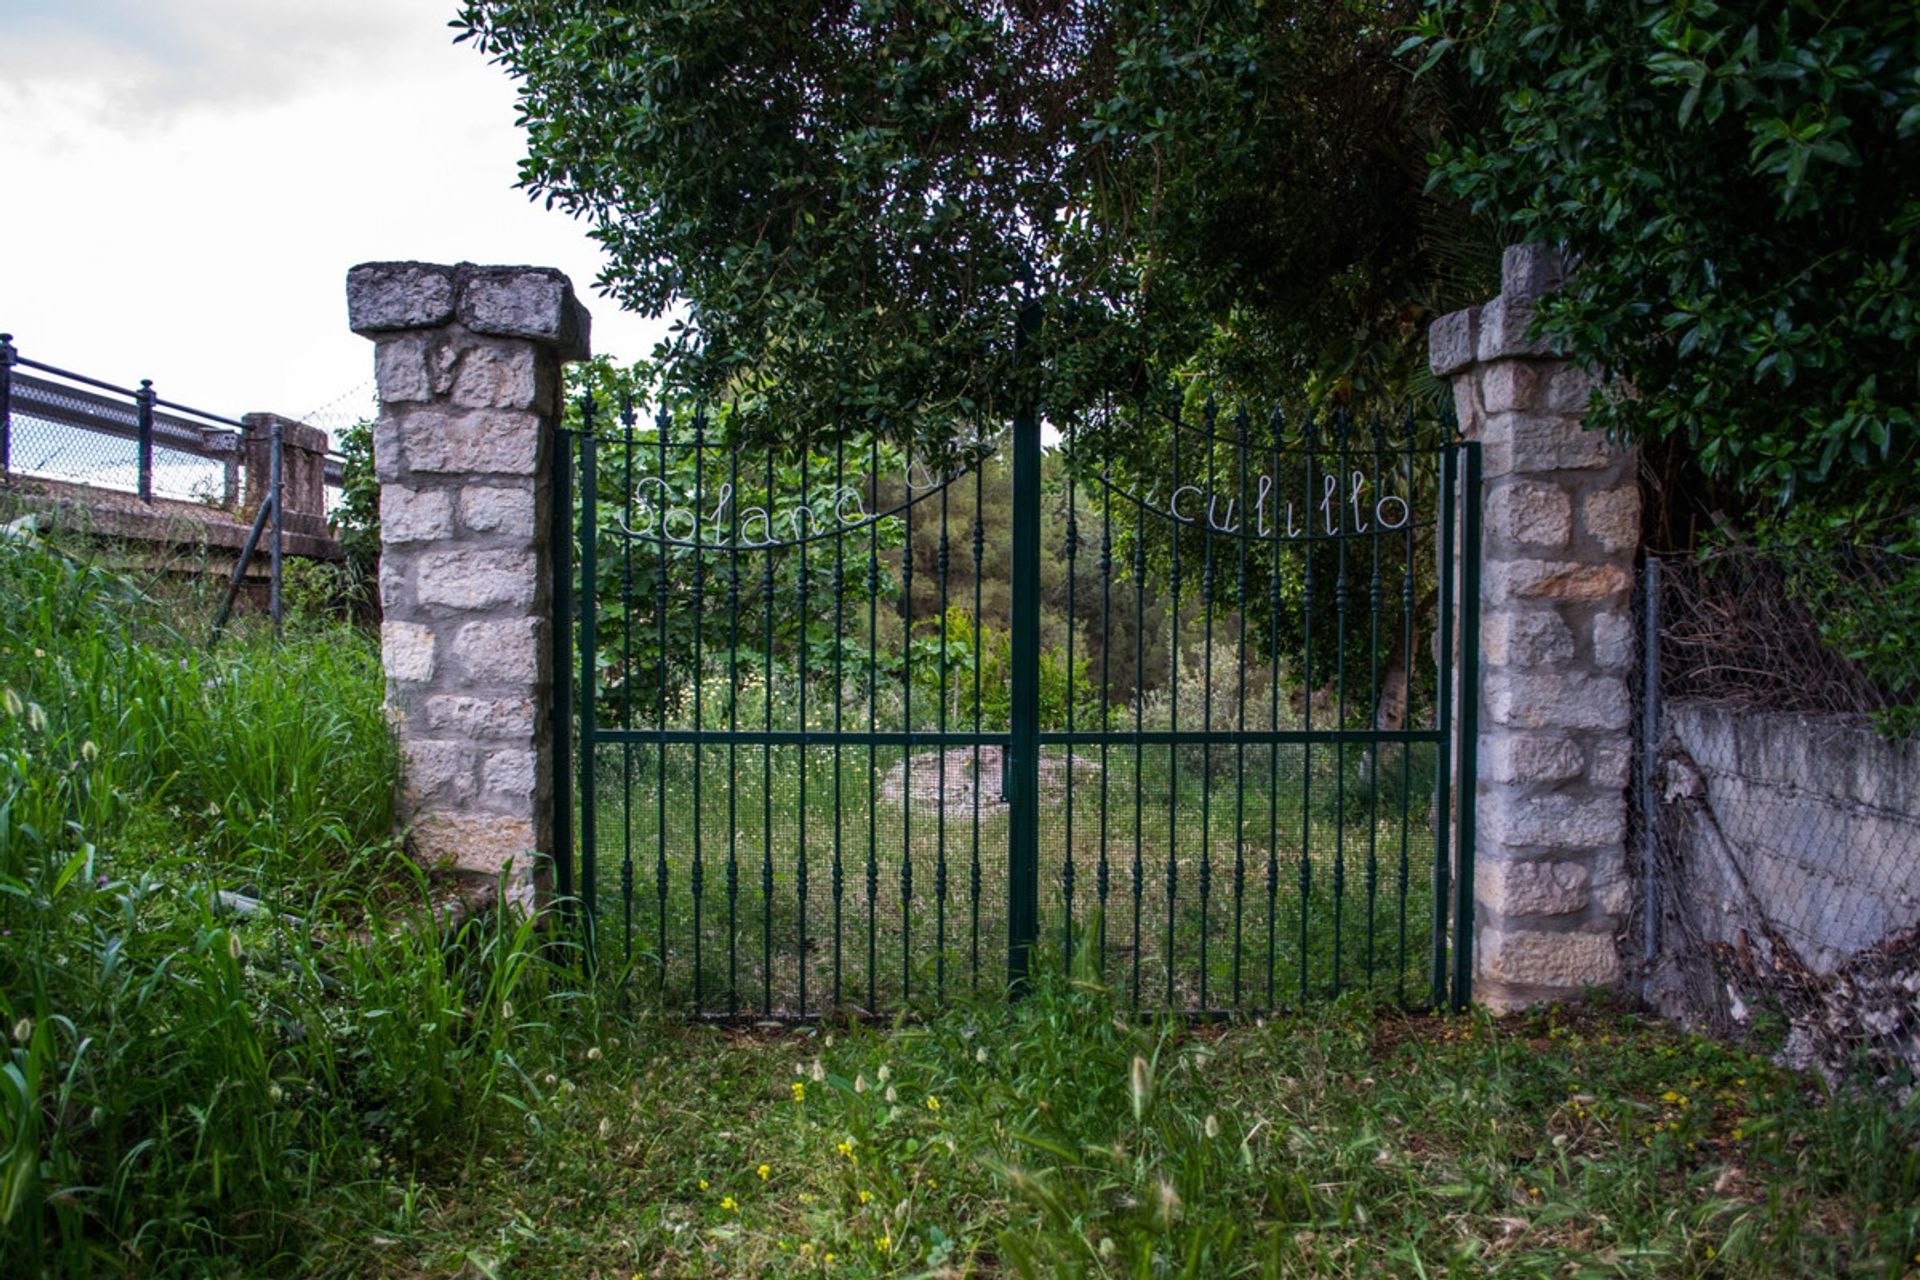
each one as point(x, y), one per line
point(69, 428)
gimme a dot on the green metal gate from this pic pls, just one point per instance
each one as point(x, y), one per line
point(1169, 700)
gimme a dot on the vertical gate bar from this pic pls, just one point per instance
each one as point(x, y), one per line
point(906, 723)
point(1172, 870)
point(940, 803)
point(589, 575)
point(1343, 431)
point(1469, 727)
point(1023, 772)
point(839, 699)
point(766, 757)
point(1649, 754)
point(873, 724)
point(1406, 713)
point(979, 558)
point(1309, 443)
point(560, 546)
point(143, 440)
point(800, 511)
point(1240, 699)
point(626, 683)
point(733, 719)
point(1208, 537)
point(697, 872)
point(1066, 867)
point(1378, 429)
point(1276, 428)
point(663, 423)
point(1443, 771)
point(1138, 868)
point(1104, 875)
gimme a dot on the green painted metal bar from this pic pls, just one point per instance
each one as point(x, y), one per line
point(1023, 748)
point(626, 685)
point(873, 724)
point(1103, 879)
point(906, 762)
point(1443, 774)
point(839, 711)
point(805, 676)
point(1073, 572)
point(1306, 704)
point(1463, 921)
point(663, 424)
point(733, 727)
point(1240, 698)
point(1276, 430)
point(1171, 872)
point(1054, 738)
point(766, 768)
point(697, 872)
point(979, 573)
point(1343, 431)
point(940, 803)
point(1407, 660)
point(1373, 697)
point(1207, 571)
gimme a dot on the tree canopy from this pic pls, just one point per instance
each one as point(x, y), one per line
point(853, 201)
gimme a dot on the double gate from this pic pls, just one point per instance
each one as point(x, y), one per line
point(1171, 701)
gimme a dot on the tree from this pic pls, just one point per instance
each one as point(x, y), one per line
point(1736, 181)
point(852, 201)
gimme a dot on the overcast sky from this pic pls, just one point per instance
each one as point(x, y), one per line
point(187, 182)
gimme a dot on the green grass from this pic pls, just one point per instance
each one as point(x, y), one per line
point(342, 1084)
point(746, 952)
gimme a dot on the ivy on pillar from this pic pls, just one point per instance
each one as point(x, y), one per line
point(1562, 524)
point(467, 361)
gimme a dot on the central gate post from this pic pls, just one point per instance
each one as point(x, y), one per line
point(1023, 753)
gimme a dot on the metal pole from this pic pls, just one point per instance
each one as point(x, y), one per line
point(239, 572)
point(560, 538)
point(143, 405)
point(585, 691)
point(1649, 749)
point(1469, 725)
point(7, 358)
point(1023, 752)
point(277, 546)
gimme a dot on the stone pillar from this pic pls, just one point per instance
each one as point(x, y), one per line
point(468, 360)
point(1562, 523)
point(303, 476)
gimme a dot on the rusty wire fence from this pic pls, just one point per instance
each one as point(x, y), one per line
point(1778, 809)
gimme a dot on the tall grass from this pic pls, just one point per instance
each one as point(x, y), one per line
point(209, 1029)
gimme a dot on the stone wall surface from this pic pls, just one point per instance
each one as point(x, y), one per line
point(1561, 516)
point(468, 362)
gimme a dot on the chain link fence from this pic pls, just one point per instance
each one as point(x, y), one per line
point(1778, 811)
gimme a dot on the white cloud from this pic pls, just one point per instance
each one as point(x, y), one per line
point(189, 182)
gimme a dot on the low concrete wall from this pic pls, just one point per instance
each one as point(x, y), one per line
point(1787, 879)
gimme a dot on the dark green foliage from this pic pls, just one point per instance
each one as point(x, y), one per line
point(356, 519)
point(1736, 181)
point(853, 201)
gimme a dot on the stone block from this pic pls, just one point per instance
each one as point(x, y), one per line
point(510, 775)
point(406, 651)
point(1531, 887)
point(1519, 443)
point(1450, 342)
point(1531, 270)
point(412, 368)
point(1525, 638)
point(436, 770)
point(503, 509)
point(1554, 820)
point(1529, 757)
point(1611, 765)
point(396, 576)
point(1514, 385)
point(503, 375)
point(1555, 582)
point(1543, 960)
point(383, 296)
point(504, 717)
point(1611, 517)
point(1613, 641)
point(414, 515)
point(389, 454)
point(466, 578)
point(488, 442)
point(1502, 332)
point(1556, 700)
point(1568, 391)
point(472, 840)
point(536, 303)
point(1530, 513)
point(502, 653)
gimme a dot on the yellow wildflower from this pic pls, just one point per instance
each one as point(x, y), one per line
point(933, 1103)
point(846, 1149)
point(866, 1197)
point(703, 1184)
point(729, 1203)
point(799, 1092)
point(764, 1171)
point(884, 1244)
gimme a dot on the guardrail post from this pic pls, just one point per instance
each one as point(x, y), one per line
point(143, 402)
point(8, 357)
point(468, 365)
